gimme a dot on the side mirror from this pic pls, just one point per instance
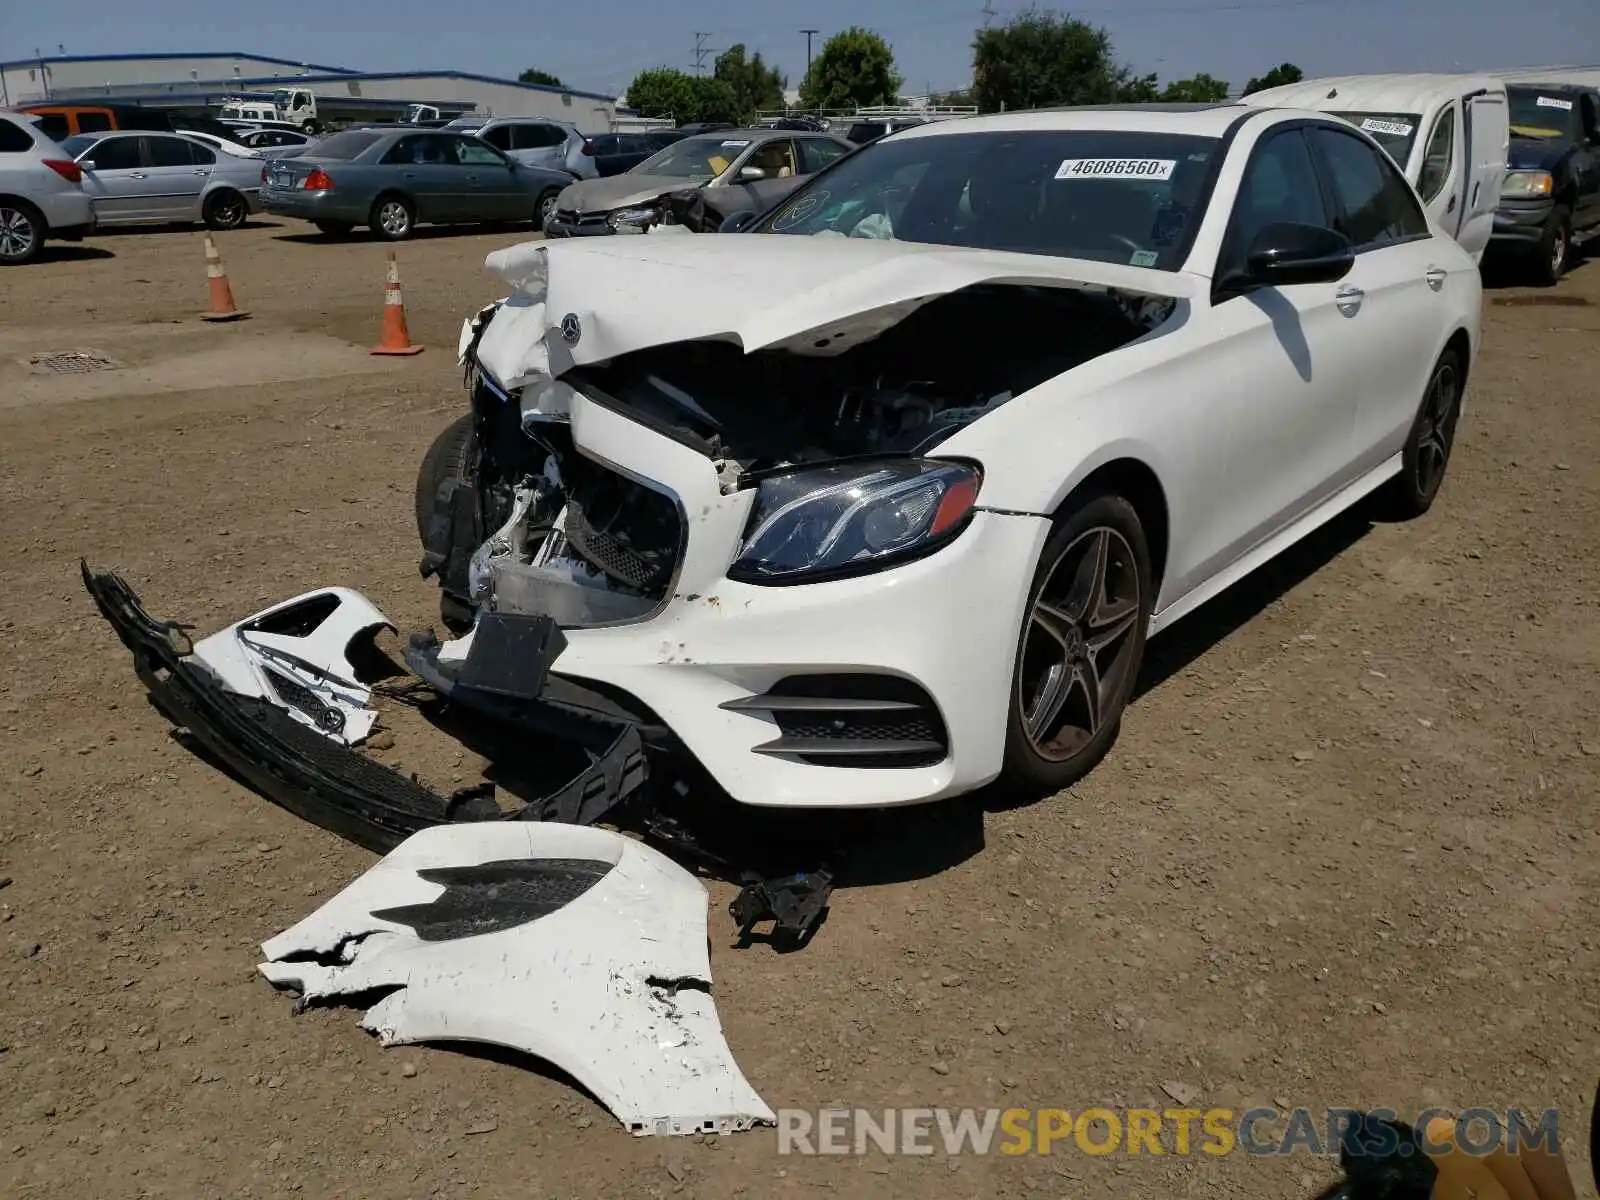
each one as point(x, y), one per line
point(737, 222)
point(751, 174)
point(1287, 253)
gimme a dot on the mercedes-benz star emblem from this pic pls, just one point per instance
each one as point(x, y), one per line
point(571, 329)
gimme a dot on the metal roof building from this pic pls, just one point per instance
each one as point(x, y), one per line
point(127, 76)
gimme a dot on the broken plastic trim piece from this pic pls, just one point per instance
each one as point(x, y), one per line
point(577, 945)
point(793, 903)
point(312, 776)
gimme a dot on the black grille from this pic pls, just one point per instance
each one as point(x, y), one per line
point(851, 721)
point(625, 530)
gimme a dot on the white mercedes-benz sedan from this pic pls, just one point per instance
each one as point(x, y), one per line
point(877, 499)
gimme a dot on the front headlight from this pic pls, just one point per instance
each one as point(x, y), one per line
point(851, 518)
point(632, 218)
point(1527, 185)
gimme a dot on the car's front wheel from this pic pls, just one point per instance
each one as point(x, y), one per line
point(21, 232)
point(545, 208)
point(1555, 248)
point(1081, 644)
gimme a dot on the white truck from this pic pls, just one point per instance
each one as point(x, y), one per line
point(307, 111)
point(1450, 134)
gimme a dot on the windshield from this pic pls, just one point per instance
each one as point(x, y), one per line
point(1541, 113)
point(77, 144)
point(703, 157)
point(280, 101)
point(1106, 195)
point(1395, 132)
point(346, 145)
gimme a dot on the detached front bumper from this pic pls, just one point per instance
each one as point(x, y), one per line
point(1519, 224)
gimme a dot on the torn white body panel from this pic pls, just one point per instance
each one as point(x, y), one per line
point(296, 655)
point(623, 294)
point(571, 943)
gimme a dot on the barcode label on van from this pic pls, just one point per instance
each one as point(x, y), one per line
point(1552, 102)
point(1390, 128)
point(1117, 168)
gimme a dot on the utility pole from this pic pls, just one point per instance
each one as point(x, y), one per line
point(700, 52)
point(810, 33)
point(988, 11)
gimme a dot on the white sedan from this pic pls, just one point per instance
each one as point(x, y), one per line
point(878, 500)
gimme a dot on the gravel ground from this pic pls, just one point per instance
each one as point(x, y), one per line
point(1344, 853)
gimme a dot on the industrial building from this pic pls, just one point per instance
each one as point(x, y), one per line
point(131, 76)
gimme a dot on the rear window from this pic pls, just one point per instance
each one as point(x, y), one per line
point(14, 139)
point(347, 145)
point(865, 131)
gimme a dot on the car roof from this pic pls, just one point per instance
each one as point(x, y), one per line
point(1370, 93)
point(1197, 120)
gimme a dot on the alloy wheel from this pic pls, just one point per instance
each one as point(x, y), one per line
point(1440, 408)
point(394, 218)
point(547, 208)
point(1558, 254)
point(228, 213)
point(17, 234)
point(1080, 644)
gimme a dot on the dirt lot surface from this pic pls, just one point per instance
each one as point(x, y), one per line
point(1345, 853)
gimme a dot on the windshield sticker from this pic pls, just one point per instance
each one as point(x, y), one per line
point(734, 145)
point(1392, 128)
point(1116, 168)
point(717, 163)
point(1144, 258)
point(1552, 102)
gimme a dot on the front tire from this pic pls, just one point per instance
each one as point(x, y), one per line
point(21, 232)
point(1428, 446)
point(1080, 648)
point(392, 218)
point(545, 207)
point(1555, 248)
point(225, 209)
point(448, 458)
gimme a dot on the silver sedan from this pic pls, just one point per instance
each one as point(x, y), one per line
point(141, 177)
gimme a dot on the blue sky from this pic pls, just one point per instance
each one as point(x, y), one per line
point(600, 46)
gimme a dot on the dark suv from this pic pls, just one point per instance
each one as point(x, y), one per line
point(1550, 201)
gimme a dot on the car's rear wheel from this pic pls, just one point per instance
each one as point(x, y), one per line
point(1432, 437)
point(392, 218)
point(1080, 648)
point(334, 228)
point(21, 232)
point(225, 209)
point(545, 208)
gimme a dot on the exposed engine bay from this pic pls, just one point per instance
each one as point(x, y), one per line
point(554, 532)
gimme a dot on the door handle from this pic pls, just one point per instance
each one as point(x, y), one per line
point(410, 175)
point(1435, 277)
point(1348, 300)
point(138, 175)
point(1451, 207)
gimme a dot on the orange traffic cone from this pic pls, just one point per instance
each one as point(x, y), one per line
point(396, 338)
point(222, 305)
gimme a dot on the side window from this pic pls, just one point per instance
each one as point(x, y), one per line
point(403, 151)
point(93, 122)
point(1279, 185)
point(538, 136)
point(1377, 207)
point(14, 139)
point(115, 154)
point(607, 143)
point(203, 155)
point(499, 137)
point(1435, 171)
point(776, 158)
point(474, 152)
point(171, 152)
point(816, 153)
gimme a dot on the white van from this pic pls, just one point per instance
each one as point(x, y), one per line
point(1449, 133)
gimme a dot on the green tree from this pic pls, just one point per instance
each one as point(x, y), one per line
point(1201, 89)
point(534, 75)
point(1139, 89)
point(855, 67)
point(755, 85)
point(1042, 59)
point(668, 92)
point(1277, 77)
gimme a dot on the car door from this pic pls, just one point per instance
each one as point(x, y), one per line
point(780, 171)
point(1289, 355)
point(1396, 295)
point(538, 143)
point(1441, 175)
point(178, 175)
point(424, 167)
point(492, 191)
point(118, 180)
point(1486, 130)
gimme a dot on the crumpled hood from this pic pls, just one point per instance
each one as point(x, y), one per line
point(811, 295)
point(619, 191)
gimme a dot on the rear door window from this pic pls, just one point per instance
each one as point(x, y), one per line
point(172, 152)
point(535, 135)
point(499, 137)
